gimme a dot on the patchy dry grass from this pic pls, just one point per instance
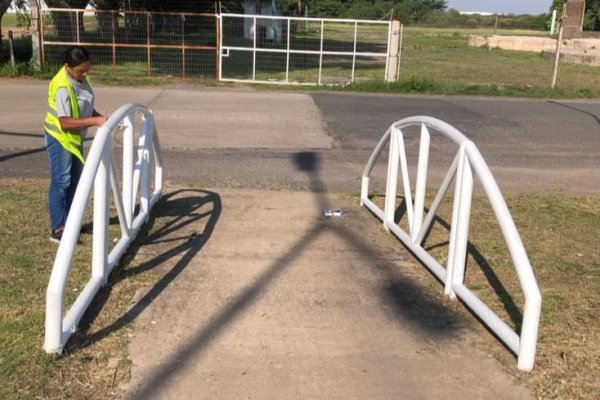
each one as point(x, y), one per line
point(88, 368)
point(560, 235)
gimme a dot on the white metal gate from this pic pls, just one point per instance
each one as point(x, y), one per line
point(274, 49)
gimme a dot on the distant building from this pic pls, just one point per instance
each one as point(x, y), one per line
point(484, 13)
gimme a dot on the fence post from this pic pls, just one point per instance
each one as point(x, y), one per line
point(11, 48)
point(149, 65)
point(394, 49)
point(36, 54)
point(321, 51)
point(113, 42)
point(558, 44)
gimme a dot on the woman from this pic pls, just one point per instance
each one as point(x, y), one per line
point(70, 112)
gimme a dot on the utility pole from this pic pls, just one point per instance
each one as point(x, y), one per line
point(36, 55)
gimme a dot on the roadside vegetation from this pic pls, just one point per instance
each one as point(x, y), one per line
point(434, 60)
point(559, 233)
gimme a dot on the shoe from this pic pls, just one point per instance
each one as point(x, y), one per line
point(56, 235)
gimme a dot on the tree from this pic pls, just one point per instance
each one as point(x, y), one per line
point(4, 4)
point(591, 20)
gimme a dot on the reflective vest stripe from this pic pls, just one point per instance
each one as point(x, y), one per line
point(70, 141)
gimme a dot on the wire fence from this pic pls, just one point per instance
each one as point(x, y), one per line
point(252, 48)
point(134, 43)
point(302, 50)
point(276, 49)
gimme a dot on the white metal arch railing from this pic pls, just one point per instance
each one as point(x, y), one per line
point(467, 161)
point(99, 172)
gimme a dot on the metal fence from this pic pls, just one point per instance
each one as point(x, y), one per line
point(277, 49)
point(252, 48)
point(134, 43)
point(135, 192)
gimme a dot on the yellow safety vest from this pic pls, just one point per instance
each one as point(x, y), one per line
point(70, 141)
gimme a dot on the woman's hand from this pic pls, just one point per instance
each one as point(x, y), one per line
point(75, 124)
point(100, 120)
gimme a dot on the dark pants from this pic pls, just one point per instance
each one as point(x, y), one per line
point(65, 171)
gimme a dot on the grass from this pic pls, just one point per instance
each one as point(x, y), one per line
point(10, 20)
point(86, 370)
point(559, 233)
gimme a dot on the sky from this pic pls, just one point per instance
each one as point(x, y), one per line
point(502, 6)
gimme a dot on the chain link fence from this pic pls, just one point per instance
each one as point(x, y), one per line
point(135, 44)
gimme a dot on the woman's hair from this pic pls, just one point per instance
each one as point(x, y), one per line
point(76, 55)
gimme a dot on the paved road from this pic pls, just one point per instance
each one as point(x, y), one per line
point(243, 138)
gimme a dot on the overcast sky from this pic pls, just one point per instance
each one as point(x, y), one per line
point(502, 6)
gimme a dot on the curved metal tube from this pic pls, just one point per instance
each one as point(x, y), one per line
point(467, 164)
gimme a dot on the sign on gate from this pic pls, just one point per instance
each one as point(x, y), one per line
point(274, 49)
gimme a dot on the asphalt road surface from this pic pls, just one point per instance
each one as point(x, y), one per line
point(248, 139)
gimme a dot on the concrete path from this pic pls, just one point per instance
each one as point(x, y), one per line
point(269, 301)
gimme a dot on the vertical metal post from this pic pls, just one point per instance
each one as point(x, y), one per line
point(144, 161)
point(183, 44)
point(406, 183)
point(101, 216)
point(114, 47)
point(392, 179)
point(287, 58)
point(219, 44)
point(421, 183)
point(321, 51)
point(354, 52)
point(254, 51)
point(148, 44)
point(128, 200)
point(458, 242)
point(387, 50)
point(529, 331)
point(77, 26)
point(462, 231)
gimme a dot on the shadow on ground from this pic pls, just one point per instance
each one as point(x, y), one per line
point(192, 211)
point(192, 216)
